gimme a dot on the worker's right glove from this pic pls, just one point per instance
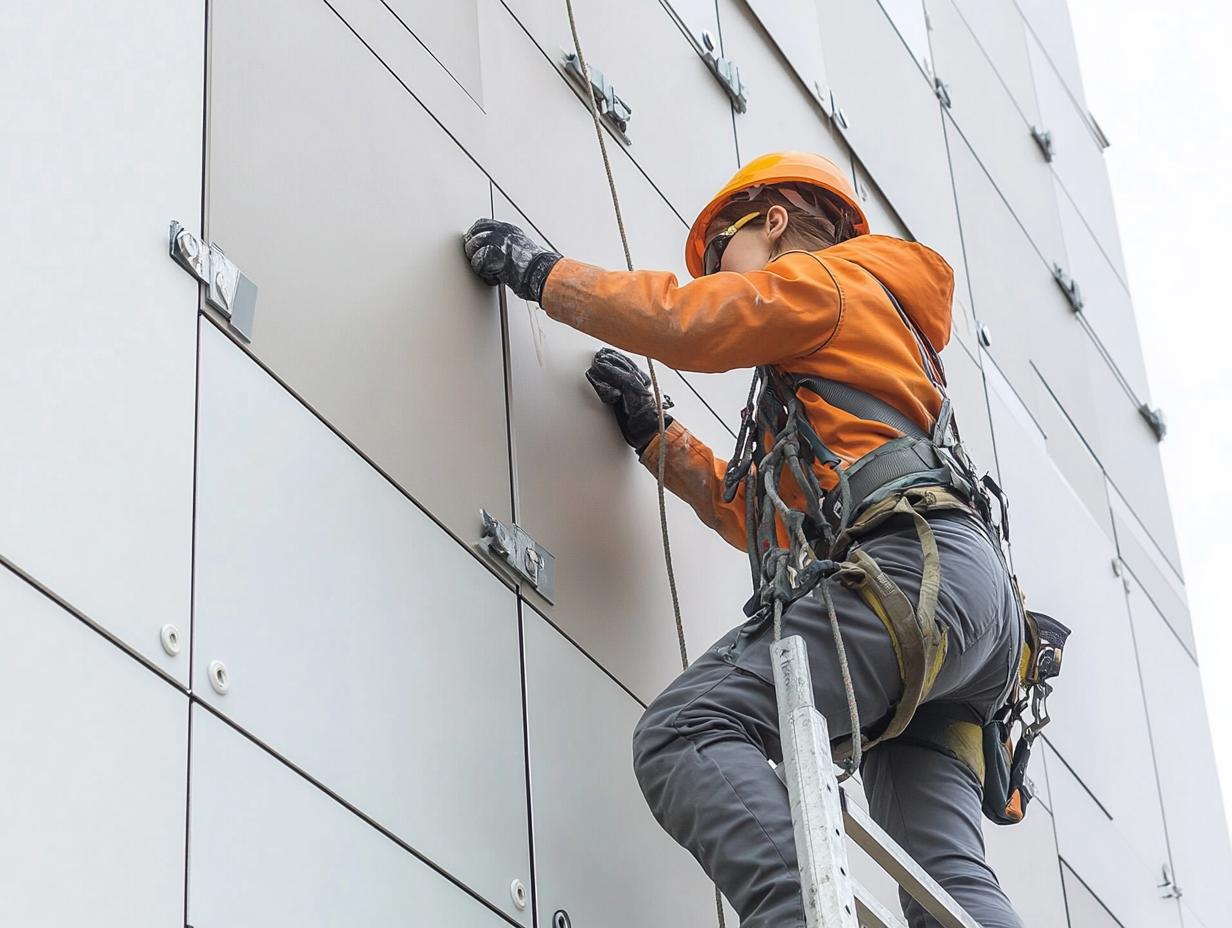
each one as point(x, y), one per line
point(623, 385)
point(501, 253)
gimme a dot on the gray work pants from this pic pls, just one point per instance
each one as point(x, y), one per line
point(700, 750)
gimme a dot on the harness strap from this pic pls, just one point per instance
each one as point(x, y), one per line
point(861, 404)
point(919, 641)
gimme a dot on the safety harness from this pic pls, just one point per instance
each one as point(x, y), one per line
point(907, 477)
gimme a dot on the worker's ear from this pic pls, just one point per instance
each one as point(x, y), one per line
point(776, 223)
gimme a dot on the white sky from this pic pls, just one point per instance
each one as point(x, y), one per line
point(1158, 78)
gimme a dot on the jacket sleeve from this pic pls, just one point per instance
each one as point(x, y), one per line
point(692, 473)
point(721, 322)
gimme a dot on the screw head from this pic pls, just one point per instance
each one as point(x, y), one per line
point(220, 679)
point(517, 889)
point(561, 919)
point(985, 335)
point(169, 635)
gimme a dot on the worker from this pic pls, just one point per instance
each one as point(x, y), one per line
point(789, 281)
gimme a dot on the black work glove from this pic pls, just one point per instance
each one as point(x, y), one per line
point(622, 385)
point(501, 253)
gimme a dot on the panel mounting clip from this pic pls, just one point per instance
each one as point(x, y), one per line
point(1155, 419)
point(227, 288)
point(1043, 138)
point(615, 111)
point(1168, 888)
point(513, 547)
point(942, 90)
point(1069, 287)
point(726, 71)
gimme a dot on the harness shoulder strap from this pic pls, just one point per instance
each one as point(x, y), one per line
point(861, 404)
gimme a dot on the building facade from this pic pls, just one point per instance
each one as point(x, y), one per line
point(261, 671)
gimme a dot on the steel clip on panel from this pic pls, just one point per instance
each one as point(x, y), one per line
point(515, 549)
point(228, 289)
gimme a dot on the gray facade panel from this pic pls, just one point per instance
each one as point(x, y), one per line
point(94, 777)
point(999, 29)
point(993, 126)
point(1069, 574)
point(1095, 848)
point(859, 40)
point(1128, 451)
point(1106, 303)
point(1078, 159)
point(1185, 758)
point(1025, 859)
point(640, 52)
point(270, 848)
point(583, 495)
point(333, 190)
point(97, 334)
point(1159, 579)
point(354, 632)
point(450, 33)
point(1048, 23)
point(1085, 909)
point(599, 854)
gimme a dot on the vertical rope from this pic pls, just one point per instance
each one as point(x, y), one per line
point(654, 378)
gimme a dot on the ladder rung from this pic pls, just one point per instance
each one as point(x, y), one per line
point(870, 912)
point(901, 866)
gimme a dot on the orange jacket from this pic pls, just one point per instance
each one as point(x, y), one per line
point(805, 313)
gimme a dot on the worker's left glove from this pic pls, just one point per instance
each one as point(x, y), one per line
point(625, 387)
point(501, 253)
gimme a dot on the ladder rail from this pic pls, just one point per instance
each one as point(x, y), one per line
point(823, 813)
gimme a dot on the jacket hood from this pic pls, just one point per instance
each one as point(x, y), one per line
point(921, 280)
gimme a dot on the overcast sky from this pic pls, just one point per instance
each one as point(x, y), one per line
point(1158, 78)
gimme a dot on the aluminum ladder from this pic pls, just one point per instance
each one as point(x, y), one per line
point(823, 813)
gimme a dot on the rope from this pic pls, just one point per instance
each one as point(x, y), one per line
point(654, 378)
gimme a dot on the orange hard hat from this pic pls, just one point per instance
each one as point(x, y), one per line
point(801, 167)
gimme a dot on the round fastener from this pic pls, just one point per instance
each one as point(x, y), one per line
point(220, 679)
point(985, 336)
point(561, 919)
point(169, 635)
point(517, 889)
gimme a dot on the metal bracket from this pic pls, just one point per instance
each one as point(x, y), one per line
point(726, 70)
point(526, 557)
point(611, 107)
point(1168, 888)
point(1043, 138)
point(942, 90)
point(1155, 419)
point(227, 288)
point(1069, 287)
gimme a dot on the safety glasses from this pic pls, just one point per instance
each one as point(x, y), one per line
point(712, 257)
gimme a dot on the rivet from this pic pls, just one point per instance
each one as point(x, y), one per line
point(170, 637)
point(219, 678)
point(517, 889)
point(985, 335)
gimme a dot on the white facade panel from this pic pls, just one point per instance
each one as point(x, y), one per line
point(354, 632)
point(1193, 810)
point(270, 848)
point(1069, 574)
point(858, 41)
point(612, 594)
point(102, 141)
point(992, 124)
point(640, 51)
point(95, 775)
point(599, 854)
point(334, 191)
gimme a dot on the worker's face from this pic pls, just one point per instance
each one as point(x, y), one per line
point(752, 247)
